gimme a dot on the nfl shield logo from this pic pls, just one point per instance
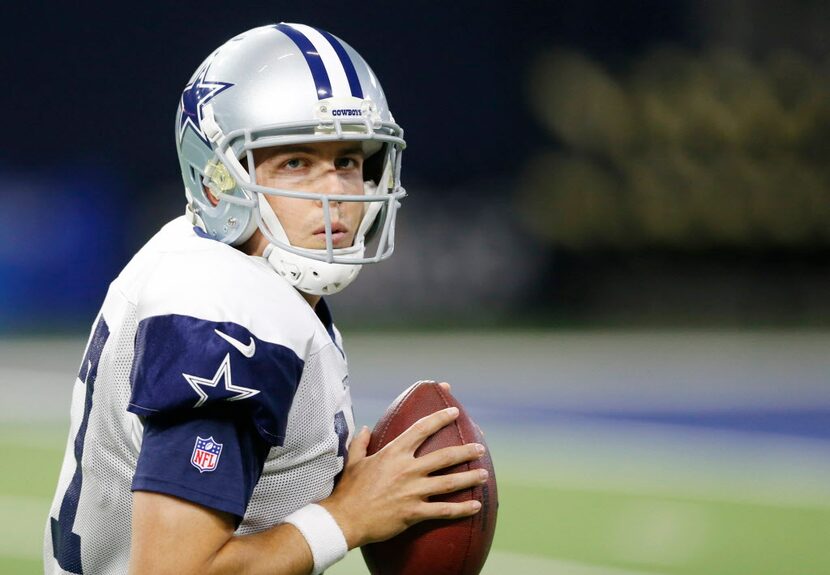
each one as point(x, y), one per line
point(206, 454)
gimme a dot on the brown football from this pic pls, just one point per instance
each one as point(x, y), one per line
point(455, 547)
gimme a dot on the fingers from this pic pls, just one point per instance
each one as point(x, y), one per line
point(445, 510)
point(413, 437)
point(452, 482)
point(441, 484)
point(445, 386)
point(449, 456)
point(359, 445)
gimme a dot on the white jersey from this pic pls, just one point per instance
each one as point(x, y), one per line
point(207, 377)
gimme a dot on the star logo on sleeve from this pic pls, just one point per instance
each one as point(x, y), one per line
point(222, 374)
point(194, 97)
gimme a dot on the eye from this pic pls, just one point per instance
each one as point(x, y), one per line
point(293, 164)
point(347, 163)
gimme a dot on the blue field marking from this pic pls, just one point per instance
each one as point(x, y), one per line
point(810, 423)
point(806, 423)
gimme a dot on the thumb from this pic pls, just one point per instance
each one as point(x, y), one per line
point(357, 450)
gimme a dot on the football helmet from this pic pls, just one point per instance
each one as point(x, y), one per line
point(279, 85)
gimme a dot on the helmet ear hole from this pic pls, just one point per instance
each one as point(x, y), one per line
point(214, 201)
point(194, 175)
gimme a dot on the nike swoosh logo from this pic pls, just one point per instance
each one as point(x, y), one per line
point(246, 350)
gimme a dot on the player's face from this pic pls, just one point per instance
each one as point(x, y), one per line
point(330, 168)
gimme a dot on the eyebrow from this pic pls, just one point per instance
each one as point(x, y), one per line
point(301, 149)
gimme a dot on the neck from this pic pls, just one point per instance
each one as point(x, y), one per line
point(255, 246)
point(311, 299)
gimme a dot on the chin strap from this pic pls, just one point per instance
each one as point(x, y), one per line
point(192, 212)
point(310, 276)
point(306, 274)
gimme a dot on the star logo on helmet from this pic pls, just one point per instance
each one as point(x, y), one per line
point(194, 97)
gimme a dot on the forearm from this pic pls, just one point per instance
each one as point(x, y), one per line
point(320, 536)
point(172, 536)
point(280, 550)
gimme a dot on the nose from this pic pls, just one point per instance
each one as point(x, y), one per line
point(331, 184)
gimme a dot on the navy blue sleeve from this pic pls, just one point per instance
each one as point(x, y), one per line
point(214, 461)
point(184, 365)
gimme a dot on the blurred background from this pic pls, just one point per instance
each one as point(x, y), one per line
point(616, 246)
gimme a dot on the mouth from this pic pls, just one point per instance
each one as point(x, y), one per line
point(339, 235)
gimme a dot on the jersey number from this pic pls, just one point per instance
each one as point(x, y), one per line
point(341, 428)
point(66, 544)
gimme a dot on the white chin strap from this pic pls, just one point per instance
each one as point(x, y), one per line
point(307, 275)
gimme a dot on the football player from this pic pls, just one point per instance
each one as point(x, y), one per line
point(211, 422)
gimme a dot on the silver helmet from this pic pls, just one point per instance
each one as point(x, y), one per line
point(279, 85)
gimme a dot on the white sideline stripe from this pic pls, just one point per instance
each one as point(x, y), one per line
point(35, 394)
point(500, 562)
point(9, 374)
point(337, 75)
point(22, 528)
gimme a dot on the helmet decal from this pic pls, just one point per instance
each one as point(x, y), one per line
point(332, 69)
point(348, 65)
point(194, 97)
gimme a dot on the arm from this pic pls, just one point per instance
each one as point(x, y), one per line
point(377, 497)
point(174, 536)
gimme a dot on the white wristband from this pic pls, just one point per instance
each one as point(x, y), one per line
point(323, 534)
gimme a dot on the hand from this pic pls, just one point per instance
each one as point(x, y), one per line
point(381, 495)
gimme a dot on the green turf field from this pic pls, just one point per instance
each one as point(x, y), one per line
point(556, 516)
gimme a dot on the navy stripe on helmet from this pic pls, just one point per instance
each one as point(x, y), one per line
point(312, 58)
point(348, 65)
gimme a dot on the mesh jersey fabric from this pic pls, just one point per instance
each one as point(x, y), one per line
point(177, 273)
